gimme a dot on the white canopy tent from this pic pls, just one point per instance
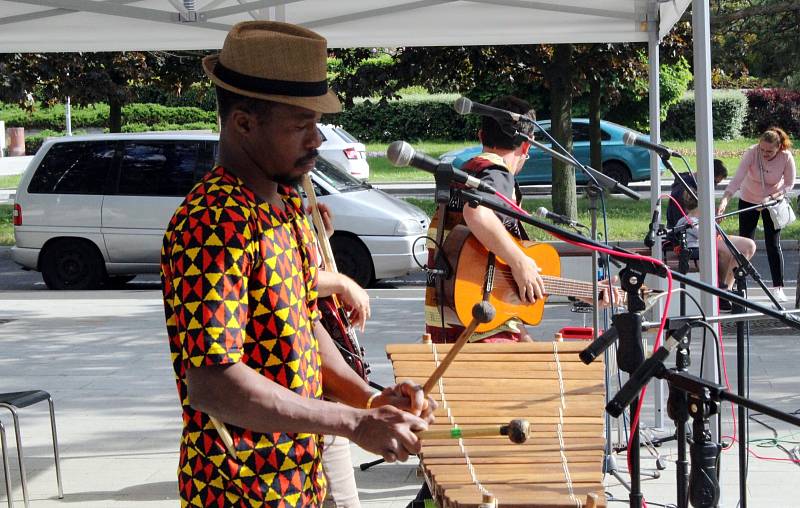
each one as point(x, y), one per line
point(116, 25)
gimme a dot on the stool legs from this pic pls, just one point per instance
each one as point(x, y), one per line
point(56, 457)
point(6, 470)
point(23, 478)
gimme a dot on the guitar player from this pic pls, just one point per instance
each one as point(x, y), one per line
point(501, 159)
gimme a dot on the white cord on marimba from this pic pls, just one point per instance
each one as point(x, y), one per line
point(470, 468)
point(560, 430)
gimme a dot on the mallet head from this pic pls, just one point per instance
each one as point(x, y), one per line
point(516, 430)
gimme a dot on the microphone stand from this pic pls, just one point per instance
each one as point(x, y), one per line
point(743, 268)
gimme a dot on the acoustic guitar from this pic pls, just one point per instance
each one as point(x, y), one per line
point(477, 271)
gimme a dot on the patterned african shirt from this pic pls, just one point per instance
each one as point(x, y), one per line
point(239, 279)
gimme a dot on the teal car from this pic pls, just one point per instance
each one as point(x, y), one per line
point(621, 162)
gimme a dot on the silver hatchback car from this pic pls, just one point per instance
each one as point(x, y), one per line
point(92, 210)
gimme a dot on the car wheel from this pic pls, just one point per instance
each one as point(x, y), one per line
point(72, 264)
point(618, 171)
point(353, 259)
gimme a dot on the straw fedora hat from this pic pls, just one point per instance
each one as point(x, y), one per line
point(277, 62)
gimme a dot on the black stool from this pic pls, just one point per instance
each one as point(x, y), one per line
point(14, 401)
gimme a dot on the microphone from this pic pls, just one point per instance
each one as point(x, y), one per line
point(650, 238)
point(402, 154)
point(558, 219)
point(597, 347)
point(629, 138)
point(641, 376)
point(464, 106)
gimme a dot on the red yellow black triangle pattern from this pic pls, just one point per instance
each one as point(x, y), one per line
point(239, 281)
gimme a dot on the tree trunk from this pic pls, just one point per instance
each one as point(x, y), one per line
point(114, 114)
point(564, 196)
point(595, 146)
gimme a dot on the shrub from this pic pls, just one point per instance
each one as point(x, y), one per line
point(411, 118)
point(152, 114)
point(34, 142)
point(633, 108)
point(728, 111)
point(776, 106)
point(198, 95)
point(54, 118)
point(196, 126)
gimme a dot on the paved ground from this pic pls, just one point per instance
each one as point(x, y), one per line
point(103, 356)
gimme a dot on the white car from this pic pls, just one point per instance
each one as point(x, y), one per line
point(339, 147)
point(92, 210)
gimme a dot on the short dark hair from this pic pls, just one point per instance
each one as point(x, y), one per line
point(720, 171)
point(689, 201)
point(492, 133)
point(227, 101)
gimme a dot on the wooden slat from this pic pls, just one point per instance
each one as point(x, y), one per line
point(503, 348)
point(510, 386)
point(490, 384)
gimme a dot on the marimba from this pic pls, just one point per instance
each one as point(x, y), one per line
point(559, 465)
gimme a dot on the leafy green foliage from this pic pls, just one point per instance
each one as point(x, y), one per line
point(89, 78)
point(411, 118)
point(152, 114)
point(728, 111)
point(633, 111)
point(159, 127)
point(756, 38)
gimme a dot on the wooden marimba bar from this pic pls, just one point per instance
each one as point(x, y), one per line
point(560, 464)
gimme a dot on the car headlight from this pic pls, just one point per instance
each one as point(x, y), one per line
point(408, 227)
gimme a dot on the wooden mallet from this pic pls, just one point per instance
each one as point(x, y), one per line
point(516, 430)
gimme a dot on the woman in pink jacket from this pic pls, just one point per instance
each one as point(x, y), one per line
point(767, 170)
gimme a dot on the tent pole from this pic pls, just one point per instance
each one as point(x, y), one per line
point(654, 62)
point(705, 180)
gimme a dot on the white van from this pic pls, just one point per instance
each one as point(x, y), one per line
point(92, 210)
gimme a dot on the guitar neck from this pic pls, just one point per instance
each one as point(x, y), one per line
point(567, 287)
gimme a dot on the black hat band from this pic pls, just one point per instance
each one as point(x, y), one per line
point(270, 86)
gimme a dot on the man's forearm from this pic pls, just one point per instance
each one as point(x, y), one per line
point(489, 230)
point(339, 381)
point(330, 283)
point(239, 395)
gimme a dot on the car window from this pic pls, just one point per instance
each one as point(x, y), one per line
point(336, 177)
point(345, 135)
point(580, 132)
point(321, 135)
point(73, 168)
point(160, 168)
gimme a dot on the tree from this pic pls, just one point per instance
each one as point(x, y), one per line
point(88, 78)
point(757, 38)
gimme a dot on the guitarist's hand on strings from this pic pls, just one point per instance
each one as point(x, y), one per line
point(530, 285)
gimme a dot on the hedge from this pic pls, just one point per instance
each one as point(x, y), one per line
point(728, 111)
point(96, 115)
point(773, 107)
point(412, 118)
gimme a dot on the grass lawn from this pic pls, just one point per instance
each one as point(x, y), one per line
point(6, 227)
point(382, 171)
point(9, 181)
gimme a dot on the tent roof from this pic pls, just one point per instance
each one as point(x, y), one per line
point(117, 25)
